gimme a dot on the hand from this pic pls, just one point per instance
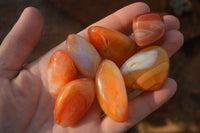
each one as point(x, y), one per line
point(25, 103)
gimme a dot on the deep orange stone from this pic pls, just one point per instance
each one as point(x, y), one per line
point(73, 101)
point(111, 91)
point(111, 44)
point(147, 69)
point(61, 70)
point(148, 29)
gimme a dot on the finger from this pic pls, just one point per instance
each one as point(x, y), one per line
point(171, 22)
point(120, 20)
point(173, 41)
point(140, 107)
point(173, 38)
point(20, 41)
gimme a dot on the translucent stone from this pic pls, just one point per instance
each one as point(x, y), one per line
point(73, 101)
point(84, 55)
point(111, 91)
point(61, 70)
point(111, 44)
point(149, 29)
point(147, 69)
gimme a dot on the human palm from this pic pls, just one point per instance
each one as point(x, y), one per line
point(25, 102)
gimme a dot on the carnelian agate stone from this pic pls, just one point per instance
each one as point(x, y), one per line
point(61, 70)
point(149, 29)
point(147, 69)
point(111, 91)
point(74, 101)
point(84, 55)
point(112, 44)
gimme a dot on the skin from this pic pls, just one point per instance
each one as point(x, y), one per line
point(25, 103)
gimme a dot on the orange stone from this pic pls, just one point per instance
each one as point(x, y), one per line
point(111, 91)
point(84, 55)
point(111, 44)
point(148, 29)
point(147, 69)
point(61, 70)
point(73, 101)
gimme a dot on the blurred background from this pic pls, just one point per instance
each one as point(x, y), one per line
point(62, 17)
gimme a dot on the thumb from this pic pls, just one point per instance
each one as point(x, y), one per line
point(20, 41)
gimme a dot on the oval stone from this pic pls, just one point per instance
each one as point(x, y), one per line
point(111, 44)
point(84, 55)
point(73, 102)
point(61, 70)
point(111, 91)
point(147, 69)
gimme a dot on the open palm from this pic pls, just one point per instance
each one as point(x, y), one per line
point(25, 103)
